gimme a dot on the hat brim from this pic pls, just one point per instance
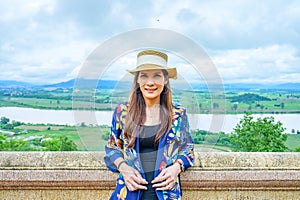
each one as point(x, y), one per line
point(172, 72)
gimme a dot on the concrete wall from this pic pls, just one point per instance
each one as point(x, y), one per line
point(83, 175)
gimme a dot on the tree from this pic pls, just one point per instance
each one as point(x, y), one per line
point(9, 144)
point(234, 106)
point(4, 120)
point(215, 105)
point(105, 135)
point(62, 143)
point(293, 131)
point(262, 135)
point(249, 98)
point(297, 149)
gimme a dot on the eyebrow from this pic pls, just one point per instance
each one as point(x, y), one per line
point(156, 73)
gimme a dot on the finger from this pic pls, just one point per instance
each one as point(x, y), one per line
point(167, 187)
point(132, 185)
point(160, 177)
point(137, 186)
point(136, 176)
point(136, 180)
point(164, 177)
point(139, 179)
point(161, 184)
point(129, 186)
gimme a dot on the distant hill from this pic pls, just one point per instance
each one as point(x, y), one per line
point(66, 84)
point(255, 86)
point(111, 84)
point(85, 83)
point(291, 86)
point(10, 83)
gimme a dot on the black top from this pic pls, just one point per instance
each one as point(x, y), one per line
point(148, 153)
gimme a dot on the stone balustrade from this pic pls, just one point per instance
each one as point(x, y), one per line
point(83, 175)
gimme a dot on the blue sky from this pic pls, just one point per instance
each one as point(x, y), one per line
point(249, 41)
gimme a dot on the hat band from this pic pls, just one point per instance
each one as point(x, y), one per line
point(148, 67)
point(151, 59)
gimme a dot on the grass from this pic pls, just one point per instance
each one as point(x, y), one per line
point(86, 138)
point(293, 141)
point(52, 104)
point(194, 101)
point(211, 148)
point(89, 138)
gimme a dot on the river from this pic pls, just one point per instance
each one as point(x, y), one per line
point(212, 122)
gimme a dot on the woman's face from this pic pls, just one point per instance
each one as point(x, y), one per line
point(151, 83)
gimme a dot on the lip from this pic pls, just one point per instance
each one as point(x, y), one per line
point(150, 90)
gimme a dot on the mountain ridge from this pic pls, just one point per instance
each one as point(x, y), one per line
point(111, 84)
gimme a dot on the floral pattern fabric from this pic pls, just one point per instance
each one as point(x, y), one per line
point(177, 144)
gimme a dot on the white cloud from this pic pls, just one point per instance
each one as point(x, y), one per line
point(24, 10)
point(235, 24)
point(245, 38)
point(49, 64)
point(266, 64)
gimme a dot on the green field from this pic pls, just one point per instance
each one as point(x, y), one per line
point(86, 138)
point(89, 138)
point(230, 102)
point(293, 141)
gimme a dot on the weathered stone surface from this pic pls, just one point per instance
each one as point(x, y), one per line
point(203, 161)
point(241, 195)
point(52, 160)
point(83, 175)
point(243, 160)
point(55, 194)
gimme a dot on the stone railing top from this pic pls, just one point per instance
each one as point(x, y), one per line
point(203, 161)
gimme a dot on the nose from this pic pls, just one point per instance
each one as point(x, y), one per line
point(150, 81)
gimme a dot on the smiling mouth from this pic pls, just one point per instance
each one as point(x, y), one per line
point(150, 89)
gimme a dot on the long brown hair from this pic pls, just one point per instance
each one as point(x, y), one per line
point(136, 116)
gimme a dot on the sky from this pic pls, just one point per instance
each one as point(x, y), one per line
point(248, 41)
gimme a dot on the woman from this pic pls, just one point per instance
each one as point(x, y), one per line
point(149, 144)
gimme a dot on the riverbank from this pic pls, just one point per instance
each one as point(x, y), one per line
point(92, 138)
point(231, 101)
point(46, 104)
point(212, 122)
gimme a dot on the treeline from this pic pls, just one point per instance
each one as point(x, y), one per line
point(57, 94)
point(249, 135)
point(61, 143)
point(13, 139)
point(249, 98)
point(206, 137)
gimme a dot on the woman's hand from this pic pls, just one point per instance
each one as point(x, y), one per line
point(167, 177)
point(133, 178)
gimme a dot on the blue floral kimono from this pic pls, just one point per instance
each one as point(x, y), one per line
point(177, 144)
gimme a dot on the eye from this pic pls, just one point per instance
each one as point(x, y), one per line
point(143, 75)
point(157, 75)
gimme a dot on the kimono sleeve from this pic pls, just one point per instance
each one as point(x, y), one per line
point(186, 149)
point(114, 145)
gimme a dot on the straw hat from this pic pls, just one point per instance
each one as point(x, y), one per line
point(151, 59)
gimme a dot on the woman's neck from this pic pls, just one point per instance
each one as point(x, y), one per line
point(150, 103)
point(152, 114)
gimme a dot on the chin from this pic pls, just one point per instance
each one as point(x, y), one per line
point(151, 96)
